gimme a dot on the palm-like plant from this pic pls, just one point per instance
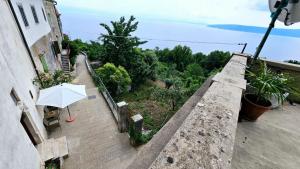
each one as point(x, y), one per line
point(267, 84)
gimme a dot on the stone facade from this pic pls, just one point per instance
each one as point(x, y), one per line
point(54, 21)
point(43, 47)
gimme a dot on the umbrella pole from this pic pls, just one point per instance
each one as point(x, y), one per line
point(70, 118)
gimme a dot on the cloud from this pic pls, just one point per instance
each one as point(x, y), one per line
point(254, 12)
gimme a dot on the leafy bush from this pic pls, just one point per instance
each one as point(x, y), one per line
point(174, 95)
point(48, 80)
point(94, 50)
point(194, 71)
point(116, 79)
point(74, 46)
point(215, 60)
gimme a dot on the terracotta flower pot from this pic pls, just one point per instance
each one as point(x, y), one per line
point(252, 110)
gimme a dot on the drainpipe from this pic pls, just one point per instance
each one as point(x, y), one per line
point(24, 41)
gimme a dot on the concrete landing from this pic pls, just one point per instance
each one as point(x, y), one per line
point(272, 142)
point(53, 148)
point(93, 138)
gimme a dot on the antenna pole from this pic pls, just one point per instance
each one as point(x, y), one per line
point(274, 16)
point(245, 45)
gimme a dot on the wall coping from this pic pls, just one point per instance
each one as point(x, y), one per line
point(283, 65)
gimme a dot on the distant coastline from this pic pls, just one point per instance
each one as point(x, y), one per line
point(254, 29)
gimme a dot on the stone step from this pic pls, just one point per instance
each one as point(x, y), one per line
point(53, 148)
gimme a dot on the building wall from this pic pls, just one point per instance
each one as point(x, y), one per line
point(35, 30)
point(54, 22)
point(16, 71)
point(39, 36)
point(43, 47)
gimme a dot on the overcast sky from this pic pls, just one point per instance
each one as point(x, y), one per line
point(245, 12)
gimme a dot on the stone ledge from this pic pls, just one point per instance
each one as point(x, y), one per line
point(206, 137)
point(151, 150)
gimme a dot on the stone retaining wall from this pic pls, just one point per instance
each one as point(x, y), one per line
point(205, 138)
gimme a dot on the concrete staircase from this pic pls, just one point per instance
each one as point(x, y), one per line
point(65, 61)
point(53, 148)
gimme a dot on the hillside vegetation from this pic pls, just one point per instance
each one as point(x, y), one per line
point(155, 82)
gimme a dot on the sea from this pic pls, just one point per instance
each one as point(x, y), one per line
point(200, 37)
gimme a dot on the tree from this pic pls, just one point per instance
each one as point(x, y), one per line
point(119, 44)
point(116, 79)
point(195, 71)
point(215, 60)
point(67, 43)
point(199, 58)
point(151, 61)
point(181, 56)
point(94, 50)
point(164, 55)
point(80, 45)
point(121, 48)
point(293, 62)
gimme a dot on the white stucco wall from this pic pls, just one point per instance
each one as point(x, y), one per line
point(16, 71)
point(35, 30)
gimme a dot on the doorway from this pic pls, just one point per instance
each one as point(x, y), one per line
point(28, 127)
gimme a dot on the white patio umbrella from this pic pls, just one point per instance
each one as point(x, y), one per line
point(62, 96)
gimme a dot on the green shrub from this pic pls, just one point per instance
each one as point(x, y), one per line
point(48, 80)
point(116, 79)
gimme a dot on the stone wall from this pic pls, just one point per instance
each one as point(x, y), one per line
point(205, 139)
point(43, 47)
point(16, 72)
point(53, 20)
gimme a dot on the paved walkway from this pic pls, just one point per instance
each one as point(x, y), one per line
point(272, 142)
point(93, 138)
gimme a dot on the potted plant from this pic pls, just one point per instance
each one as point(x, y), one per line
point(264, 85)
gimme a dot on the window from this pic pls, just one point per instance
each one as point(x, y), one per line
point(44, 14)
point(36, 19)
point(14, 96)
point(21, 9)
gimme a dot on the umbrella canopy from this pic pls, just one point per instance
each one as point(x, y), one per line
point(61, 95)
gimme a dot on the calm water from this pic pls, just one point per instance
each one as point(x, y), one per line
point(84, 25)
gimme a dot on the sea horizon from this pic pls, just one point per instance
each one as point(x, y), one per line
point(164, 33)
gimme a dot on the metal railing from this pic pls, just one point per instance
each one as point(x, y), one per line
point(101, 87)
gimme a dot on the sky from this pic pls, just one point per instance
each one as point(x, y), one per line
point(243, 12)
